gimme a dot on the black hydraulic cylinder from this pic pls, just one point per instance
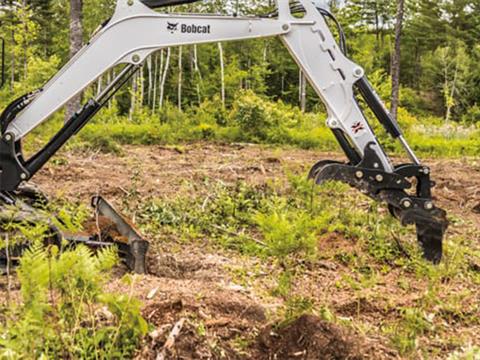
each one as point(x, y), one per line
point(376, 105)
point(3, 63)
point(74, 125)
point(351, 153)
point(162, 3)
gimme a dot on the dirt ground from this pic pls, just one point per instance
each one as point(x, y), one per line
point(198, 285)
point(160, 171)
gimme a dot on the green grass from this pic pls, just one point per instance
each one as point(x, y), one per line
point(442, 147)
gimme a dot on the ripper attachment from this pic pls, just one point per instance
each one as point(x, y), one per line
point(411, 204)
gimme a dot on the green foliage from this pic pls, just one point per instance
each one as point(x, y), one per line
point(439, 79)
point(296, 228)
point(288, 232)
point(295, 307)
point(472, 116)
point(414, 323)
point(64, 308)
point(290, 221)
point(252, 117)
point(281, 125)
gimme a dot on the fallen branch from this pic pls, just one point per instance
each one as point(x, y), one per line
point(170, 343)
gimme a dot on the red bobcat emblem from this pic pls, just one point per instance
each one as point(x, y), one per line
point(358, 128)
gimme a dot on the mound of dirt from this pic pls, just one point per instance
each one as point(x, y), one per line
point(308, 338)
point(209, 330)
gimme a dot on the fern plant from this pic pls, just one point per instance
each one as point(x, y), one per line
point(65, 311)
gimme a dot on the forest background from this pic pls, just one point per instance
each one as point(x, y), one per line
point(252, 91)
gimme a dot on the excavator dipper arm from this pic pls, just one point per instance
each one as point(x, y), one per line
point(136, 31)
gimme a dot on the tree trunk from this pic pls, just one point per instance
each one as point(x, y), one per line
point(25, 42)
point(13, 67)
point(109, 80)
point(303, 91)
point(150, 80)
point(158, 80)
point(377, 26)
point(155, 82)
point(133, 98)
point(222, 73)
point(76, 41)
point(164, 78)
point(451, 95)
point(180, 77)
point(99, 85)
point(199, 78)
point(141, 81)
point(396, 59)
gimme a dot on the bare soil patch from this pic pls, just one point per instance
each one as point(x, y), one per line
point(308, 338)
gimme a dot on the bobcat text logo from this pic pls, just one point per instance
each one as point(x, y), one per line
point(195, 29)
point(172, 27)
point(188, 29)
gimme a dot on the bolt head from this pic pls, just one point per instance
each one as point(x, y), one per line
point(136, 58)
point(426, 170)
point(285, 27)
point(358, 72)
point(379, 178)
point(429, 205)
point(376, 165)
point(406, 204)
point(359, 174)
point(23, 176)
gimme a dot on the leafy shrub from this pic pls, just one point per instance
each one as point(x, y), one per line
point(253, 119)
point(210, 112)
point(288, 233)
point(169, 114)
point(260, 120)
point(405, 119)
point(472, 116)
point(250, 114)
point(416, 102)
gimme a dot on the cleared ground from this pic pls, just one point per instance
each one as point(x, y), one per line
point(227, 299)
